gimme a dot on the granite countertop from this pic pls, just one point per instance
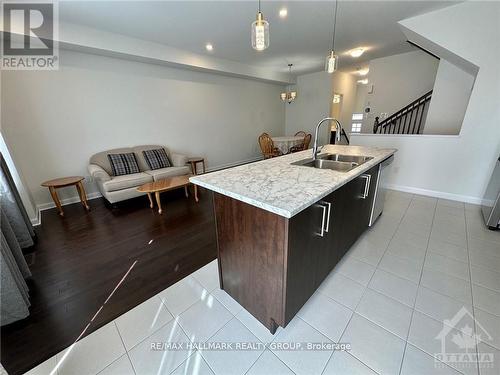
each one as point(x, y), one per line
point(276, 186)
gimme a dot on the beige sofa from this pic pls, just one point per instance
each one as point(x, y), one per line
point(119, 188)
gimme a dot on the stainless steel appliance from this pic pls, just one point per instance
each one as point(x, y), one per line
point(491, 199)
point(380, 189)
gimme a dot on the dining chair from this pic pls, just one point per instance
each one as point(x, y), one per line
point(307, 140)
point(267, 146)
point(300, 134)
point(304, 145)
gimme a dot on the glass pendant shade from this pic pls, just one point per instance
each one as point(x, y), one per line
point(260, 33)
point(331, 62)
point(283, 96)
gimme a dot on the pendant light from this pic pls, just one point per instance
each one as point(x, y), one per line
point(332, 59)
point(288, 95)
point(260, 32)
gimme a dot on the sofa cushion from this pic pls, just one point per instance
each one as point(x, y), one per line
point(122, 164)
point(156, 159)
point(127, 181)
point(158, 174)
point(101, 158)
point(143, 165)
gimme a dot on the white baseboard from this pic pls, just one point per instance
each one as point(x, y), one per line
point(64, 202)
point(47, 206)
point(436, 194)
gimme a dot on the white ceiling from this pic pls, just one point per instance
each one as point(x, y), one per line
point(303, 38)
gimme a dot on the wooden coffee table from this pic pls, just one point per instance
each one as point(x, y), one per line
point(63, 182)
point(166, 184)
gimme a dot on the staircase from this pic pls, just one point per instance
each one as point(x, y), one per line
point(407, 120)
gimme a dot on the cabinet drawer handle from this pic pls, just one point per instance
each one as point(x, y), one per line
point(367, 185)
point(321, 233)
point(327, 215)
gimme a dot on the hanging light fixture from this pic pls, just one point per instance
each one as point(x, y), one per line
point(260, 32)
point(289, 95)
point(332, 59)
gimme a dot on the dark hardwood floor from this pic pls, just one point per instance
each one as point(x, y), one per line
point(79, 259)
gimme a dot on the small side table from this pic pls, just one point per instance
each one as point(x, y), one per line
point(194, 161)
point(63, 182)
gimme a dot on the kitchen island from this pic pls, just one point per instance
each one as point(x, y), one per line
point(282, 227)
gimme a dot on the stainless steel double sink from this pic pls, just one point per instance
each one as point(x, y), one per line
point(336, 162)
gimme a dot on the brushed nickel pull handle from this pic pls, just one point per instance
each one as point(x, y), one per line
point(327, 215)
point(322, 232)
point(367, 185)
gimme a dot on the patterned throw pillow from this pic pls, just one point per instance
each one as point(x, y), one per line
point(122, 164)
point(157, 159)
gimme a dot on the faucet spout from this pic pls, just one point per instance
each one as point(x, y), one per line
point(338, 133)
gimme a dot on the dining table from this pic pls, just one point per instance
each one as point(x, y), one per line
point(284, 143)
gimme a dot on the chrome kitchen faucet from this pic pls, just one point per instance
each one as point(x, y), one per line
point(337, 135)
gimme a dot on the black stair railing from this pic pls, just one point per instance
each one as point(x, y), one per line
point(407, 120)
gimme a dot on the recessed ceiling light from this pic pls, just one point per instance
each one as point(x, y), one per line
point(363, 72)
point(209, 47)
point(283, 12)
point(356, 52)
point(363, 81)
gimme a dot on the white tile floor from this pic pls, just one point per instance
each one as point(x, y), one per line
point(393, 293)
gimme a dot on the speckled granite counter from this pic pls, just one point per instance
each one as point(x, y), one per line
point(284, 189)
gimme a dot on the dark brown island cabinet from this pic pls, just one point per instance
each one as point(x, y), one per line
point(271, 264)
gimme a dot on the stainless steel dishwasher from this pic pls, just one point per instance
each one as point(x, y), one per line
point(380, 189)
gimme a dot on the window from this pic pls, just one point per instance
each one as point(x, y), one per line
point(356, 124)
point(356, 127)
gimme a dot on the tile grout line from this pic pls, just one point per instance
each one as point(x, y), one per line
point(185, 333)
point(364, 292)
point(221, 328)
point(152, 333)
point(442, 294)
point(471, 290)
point(191, 305)
point(418, 285)
point(124, 347)
point(270, 351)
point(216, 332)
point(174, 320)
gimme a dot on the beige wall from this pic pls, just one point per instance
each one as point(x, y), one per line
point(450, 97)
point(398, 80)
point(312, 103)
point(53, 121)
point(314, 99)
point(345, 84)
point(454, 167)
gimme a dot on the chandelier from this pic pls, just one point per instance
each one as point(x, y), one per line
point(289, 95)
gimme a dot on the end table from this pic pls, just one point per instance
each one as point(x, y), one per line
point(63, 182)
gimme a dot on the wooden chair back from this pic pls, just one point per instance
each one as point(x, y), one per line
point(266, 145)
point(300, 134)
point(307, 140)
